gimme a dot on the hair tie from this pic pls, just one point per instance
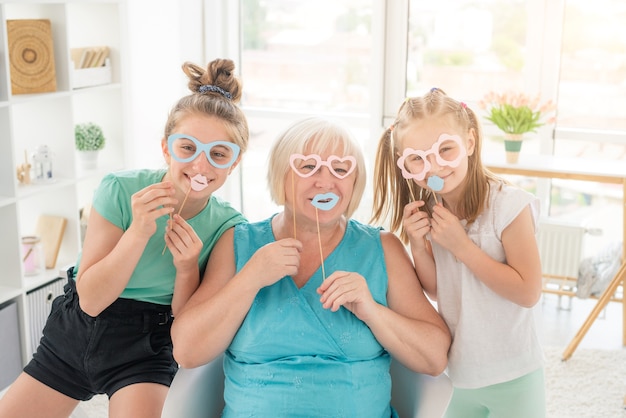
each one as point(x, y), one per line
point(209, 87)
point(463, 105)
point(434, 89)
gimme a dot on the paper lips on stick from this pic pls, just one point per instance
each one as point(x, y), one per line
point(199, 182)
point(435, 183)
point(325, 201)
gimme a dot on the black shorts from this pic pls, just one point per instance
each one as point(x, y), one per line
point(80, 356)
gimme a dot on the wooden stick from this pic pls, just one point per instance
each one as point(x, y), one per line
point(319, 240)
point(180, 209)
point(408, 183)
point(293, 197)
point(413, 196)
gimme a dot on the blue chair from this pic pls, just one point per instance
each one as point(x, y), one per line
point(198, 392)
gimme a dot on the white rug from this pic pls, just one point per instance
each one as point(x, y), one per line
point(96, 407)
point(591, 384)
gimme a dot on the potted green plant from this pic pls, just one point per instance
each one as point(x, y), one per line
point(89, 139)
point(516, 114)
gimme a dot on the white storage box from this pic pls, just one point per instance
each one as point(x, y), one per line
point(10, 352)
point(88, 77)
point(39, 303)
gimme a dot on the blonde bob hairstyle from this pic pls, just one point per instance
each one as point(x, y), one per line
point(314, 135)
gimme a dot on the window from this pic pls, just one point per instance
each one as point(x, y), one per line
point(357, 60)
point(592, 81)
point(311, 56)
point(471, 48)
point(572, 52)
point(299, 58)
point(591, 120)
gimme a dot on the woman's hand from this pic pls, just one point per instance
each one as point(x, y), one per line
point(183, 243)
point(149, 204)
point(416, 224)
point(275, 260)
point(347, 289)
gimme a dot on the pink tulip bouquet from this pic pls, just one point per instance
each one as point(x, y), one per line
point(517, 113)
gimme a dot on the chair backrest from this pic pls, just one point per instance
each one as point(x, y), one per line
point(198, 392)
point(417, 395)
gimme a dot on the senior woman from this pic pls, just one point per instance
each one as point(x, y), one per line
point(309, 304)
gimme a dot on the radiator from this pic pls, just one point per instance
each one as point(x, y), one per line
point(39, 303)
point(560, 248)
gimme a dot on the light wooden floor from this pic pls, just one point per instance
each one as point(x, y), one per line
point(560, 325)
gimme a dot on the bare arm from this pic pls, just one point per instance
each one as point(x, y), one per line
point(211, 318)
point(185, 246)
point(409, 328)
point(416, 224)
point(110, 254)
point(519, 278)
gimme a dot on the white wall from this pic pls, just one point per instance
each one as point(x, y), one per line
point(162, 34)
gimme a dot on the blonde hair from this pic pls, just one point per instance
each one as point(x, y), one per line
point(388, 176)
point(314, 135)
point(215, 92)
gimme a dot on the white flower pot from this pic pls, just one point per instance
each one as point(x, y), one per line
point(88, 159)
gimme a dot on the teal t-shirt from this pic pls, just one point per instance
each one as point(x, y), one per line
point(153, 278)
point(293, 358)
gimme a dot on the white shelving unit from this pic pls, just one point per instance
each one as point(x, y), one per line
point(30, 120)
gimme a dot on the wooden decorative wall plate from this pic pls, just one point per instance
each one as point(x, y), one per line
point(31, 55)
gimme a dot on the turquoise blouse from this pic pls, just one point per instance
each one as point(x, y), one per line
point(293, 358)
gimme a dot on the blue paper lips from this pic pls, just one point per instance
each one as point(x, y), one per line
point(325, 201)
point(435, 183)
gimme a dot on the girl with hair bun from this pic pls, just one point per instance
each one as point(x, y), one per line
point(147, 244)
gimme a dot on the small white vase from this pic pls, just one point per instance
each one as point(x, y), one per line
point(88, 159)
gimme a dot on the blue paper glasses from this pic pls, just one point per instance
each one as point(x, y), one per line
point(185, 148)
